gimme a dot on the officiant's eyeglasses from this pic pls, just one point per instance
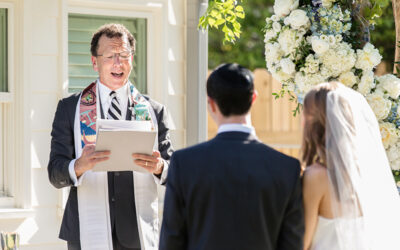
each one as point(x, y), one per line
point(123, 56)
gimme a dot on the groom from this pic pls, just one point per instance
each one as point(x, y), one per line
point(232, 192)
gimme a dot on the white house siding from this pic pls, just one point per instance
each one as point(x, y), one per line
point(41, 80)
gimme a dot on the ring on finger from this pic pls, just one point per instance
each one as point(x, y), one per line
point(146, 163)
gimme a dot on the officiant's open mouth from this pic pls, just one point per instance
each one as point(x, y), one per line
point(117, 75)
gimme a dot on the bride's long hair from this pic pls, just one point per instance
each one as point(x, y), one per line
point(314, 115)
point(341, 133)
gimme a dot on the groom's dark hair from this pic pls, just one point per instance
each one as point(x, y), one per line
point(231, 87)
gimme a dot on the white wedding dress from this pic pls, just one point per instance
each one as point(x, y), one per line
point(326, 237)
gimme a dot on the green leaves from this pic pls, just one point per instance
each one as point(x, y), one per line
point(374, 10)
point(225, 14)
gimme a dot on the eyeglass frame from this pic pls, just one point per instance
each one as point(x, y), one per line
point(119, 55)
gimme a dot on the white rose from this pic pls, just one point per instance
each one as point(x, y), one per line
point(283, 7)
point(319, 45)
point(391, 84)
point(388, 133)
point(366, 83)
point(288, 66)
point(276, 26)
point(297, 19)
point(348, 79)
point(368, 57)
point(379, 104)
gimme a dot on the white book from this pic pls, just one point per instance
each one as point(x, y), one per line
point(123, 138)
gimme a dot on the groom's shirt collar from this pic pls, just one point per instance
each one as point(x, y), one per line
point(236, 127)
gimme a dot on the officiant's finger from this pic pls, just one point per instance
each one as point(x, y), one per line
point(100, 154)
point(97, 160)
point(144, 157)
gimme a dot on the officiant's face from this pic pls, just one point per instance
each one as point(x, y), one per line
point(113, 61)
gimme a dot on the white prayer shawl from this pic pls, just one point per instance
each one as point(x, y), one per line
point(93, 205)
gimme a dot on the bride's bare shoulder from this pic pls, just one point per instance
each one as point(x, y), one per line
point(315, 173)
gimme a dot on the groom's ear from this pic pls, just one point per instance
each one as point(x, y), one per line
point(254, 97)
point(211, 104)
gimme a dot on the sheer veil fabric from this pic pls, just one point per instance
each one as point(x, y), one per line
point(364, 195)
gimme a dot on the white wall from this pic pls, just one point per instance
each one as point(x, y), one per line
point(41, 80)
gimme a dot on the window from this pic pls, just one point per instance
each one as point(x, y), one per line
point(80, 30)
point(6, 114)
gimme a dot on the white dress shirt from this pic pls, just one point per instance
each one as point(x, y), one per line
point(104, 91)
point(236, 127)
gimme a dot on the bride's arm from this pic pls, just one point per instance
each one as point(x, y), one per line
point(312, 196)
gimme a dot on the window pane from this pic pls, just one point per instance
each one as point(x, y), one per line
point(3, 51)
point(80, 30)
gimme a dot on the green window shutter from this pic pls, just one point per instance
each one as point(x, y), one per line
point(3, 51)
point(80, 30)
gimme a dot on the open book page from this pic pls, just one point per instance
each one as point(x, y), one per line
point(123, 138)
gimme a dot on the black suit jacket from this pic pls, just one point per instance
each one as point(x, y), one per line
point(232, 192)
point(63, 151)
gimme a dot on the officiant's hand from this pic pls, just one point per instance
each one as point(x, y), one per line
point(152, 163)
point(89, 159)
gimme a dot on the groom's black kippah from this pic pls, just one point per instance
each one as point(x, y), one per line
point(231, 86)
point(234, 73)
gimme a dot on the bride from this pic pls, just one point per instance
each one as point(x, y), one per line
point(350, 198)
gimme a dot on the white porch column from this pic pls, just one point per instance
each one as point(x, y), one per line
point(196, 74)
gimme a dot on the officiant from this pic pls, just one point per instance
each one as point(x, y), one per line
point(108, 210)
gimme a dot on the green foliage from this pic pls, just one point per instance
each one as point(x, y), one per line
point(375, 10)
point(383, 36)
point(224, 13)
point(249, 49)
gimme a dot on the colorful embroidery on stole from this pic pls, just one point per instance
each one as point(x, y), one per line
point(139, 107)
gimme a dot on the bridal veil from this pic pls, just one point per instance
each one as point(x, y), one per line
point(366, 203)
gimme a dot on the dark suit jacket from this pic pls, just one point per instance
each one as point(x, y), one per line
point(63, 151)
point(232, 192)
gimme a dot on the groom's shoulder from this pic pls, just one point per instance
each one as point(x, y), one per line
point(274, 155)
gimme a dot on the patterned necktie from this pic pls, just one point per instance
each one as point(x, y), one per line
point(114, 112)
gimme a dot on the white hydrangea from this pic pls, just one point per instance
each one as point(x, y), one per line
point(273, 52)
point(379, 104)
point(305, 82)
point(348, 79)
point(297, 19)
point(339, 59)
point(327, 3)
point(276, 26)
point(269, 34)
point(368, 58)
point(389, 134)
point(366, 83)
point(393, 154)
point(311, 66)
point(391, 84)
point(284, 7)
point(288, 40)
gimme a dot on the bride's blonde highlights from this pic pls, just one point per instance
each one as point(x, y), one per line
point(314, 107)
